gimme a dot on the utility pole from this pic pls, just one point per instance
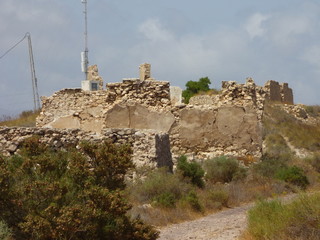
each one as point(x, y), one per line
point(84, 55)
point(36, 101)
point(34, 79)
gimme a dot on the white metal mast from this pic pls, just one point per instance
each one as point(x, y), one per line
point(84, 55)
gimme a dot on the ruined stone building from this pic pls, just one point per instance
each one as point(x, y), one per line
point(225, 124)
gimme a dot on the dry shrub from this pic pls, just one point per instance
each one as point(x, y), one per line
point(25, 119)
point(247, 160)
point(313, 111)
point(300, 134)
point(160, 187)
point(315, 161)
point(257, 187)
point(223, 169)
point(163, 216)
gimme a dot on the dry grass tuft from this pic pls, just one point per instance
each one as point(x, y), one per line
point(25, 119)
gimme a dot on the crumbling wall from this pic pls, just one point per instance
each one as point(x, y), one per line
point(248, 94)
point(150, 148)
point(286, 93)
point(89, 110)
point(232, 93)
point(277, 92)
point(228, 123)
point(274, 92)
point(93, 75)
point(147, 92)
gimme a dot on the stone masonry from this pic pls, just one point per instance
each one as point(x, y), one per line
point(145, 71)
point(93, 75)
point(248, 94)
point(228, 123)
point(150, 148)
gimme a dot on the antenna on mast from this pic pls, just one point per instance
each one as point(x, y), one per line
point(84, 55)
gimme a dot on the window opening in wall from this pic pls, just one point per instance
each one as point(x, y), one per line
point(94, 86)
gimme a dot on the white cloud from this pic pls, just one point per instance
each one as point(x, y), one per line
point(285, 30)
point(312, 56)
point(191, 56)
point(254, 25)
point(153, 30)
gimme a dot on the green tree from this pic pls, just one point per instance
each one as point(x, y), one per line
point(194, 87)
point(46, 194)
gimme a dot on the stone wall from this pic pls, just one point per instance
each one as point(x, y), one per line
point(150, 148)
point(248, 94)
point(89, 110)
point(206, 132)
point(228, 123)
point(192, 129)
point(232, 93)
point(147, 92)
point(286, 94)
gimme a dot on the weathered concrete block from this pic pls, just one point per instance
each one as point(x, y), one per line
point(175, 95)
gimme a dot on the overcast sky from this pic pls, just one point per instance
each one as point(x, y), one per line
point(182, 39)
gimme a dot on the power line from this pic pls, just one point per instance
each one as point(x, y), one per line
point(32, 68)
point(10, 49)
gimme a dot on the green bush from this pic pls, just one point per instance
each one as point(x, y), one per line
point(5, 231)
point(293, 175)
point(166, 199)
point(223, 169)
point(193, 200)
point(161, 188)
point(269, 166)
point(192, 171)
point(46, 194)
point(219, 197)
point(297, 220)
point(194, 87)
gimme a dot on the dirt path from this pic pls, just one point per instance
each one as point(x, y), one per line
point(225, 225)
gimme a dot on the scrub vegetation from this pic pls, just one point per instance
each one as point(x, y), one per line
point(48, 194)
point(296, 220)
point(24, 119)
point(61, 194)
